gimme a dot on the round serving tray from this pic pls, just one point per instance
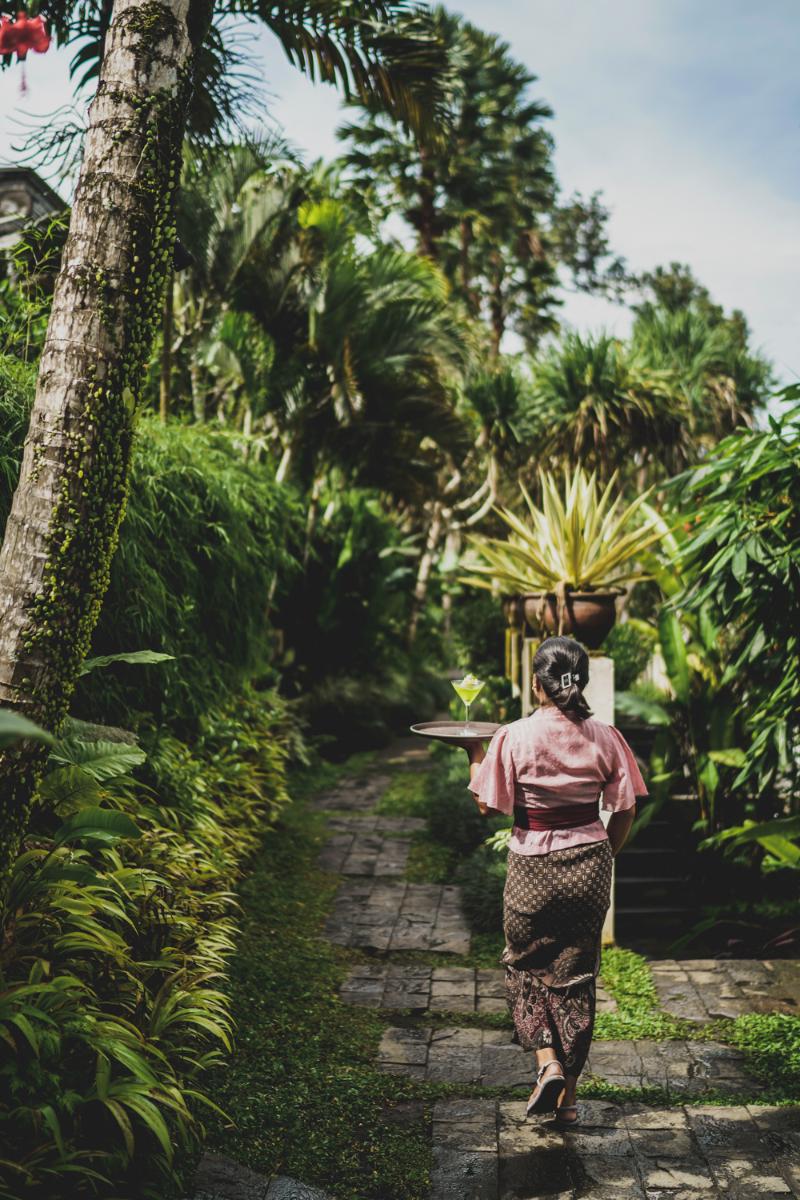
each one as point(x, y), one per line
point(456, 733)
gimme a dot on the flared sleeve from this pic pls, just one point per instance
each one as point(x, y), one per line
point(495, 781)
point(625, 783)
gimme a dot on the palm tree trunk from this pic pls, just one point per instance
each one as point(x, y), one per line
point(427, 207)
point(165, 381)
point(497, 317)
point(283, 466)
point(70, 499)
point(196, 384)
point(312, 514)
point(424, 570)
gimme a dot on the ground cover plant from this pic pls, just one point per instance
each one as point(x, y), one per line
point(119, 924)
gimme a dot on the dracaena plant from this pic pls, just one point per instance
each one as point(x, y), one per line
point(583, 538)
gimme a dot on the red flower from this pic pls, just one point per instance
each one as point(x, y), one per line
point(23, 34)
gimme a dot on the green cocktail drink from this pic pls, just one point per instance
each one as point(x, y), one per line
point(468, 689)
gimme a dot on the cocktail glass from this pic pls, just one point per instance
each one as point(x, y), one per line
point(468, 689)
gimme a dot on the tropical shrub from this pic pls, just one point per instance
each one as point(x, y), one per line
point(742, 561)
point(697, 726)
point(453, 816)
point(583, 540)
point(115, 941)
point(344, 619)
point(17, 383)
point(630, 644)
point(204, 538)
point(477, 632)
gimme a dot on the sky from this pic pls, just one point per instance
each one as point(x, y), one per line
point(685, 115)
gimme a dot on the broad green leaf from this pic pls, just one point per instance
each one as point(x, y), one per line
point(628, 704)
point(101, 760)
point(131, 656)
point(68, 788)
point(782, 827)
point(786, 852)
point(673, 649)
point(104, 824)
point(728, 758)
point(14, 727)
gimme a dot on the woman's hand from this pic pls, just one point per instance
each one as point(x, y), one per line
point(476, 753)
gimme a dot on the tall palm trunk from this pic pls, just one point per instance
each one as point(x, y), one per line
point(67, 509)
point(165, 381)
point(426, 227)
point(424, 569)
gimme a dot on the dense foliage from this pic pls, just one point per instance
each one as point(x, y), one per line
point(743, 560)
point(115, 940)
point(205, 537)
point(338, 419)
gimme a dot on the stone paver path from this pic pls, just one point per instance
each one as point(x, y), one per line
point(220, 1178)
point(366, 854)
point(488, 1057)
point(434, 989)
point(485, 1149)
point(701, 989)
point(395, 915)
point(355, 797)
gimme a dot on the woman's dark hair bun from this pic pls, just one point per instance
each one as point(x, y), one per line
point(562, 667)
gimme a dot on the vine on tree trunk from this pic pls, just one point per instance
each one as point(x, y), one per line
point(81, 433)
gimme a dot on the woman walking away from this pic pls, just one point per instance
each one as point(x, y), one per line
point(550, 770)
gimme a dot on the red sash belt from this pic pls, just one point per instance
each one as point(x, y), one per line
point(556, 816)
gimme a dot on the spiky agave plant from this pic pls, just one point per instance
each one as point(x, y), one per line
point(583, 540)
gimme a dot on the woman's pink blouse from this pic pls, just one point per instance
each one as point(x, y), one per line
point(549, 758)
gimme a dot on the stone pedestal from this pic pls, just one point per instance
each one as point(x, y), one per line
point(599, 694)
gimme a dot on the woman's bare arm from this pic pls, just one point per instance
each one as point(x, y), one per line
point(618, 828)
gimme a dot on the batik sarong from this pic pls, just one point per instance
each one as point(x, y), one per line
point(554, 906)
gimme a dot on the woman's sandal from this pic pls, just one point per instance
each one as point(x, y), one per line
point(544, 1096)
point(561, 1121)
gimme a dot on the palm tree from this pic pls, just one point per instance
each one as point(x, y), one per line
point(724, 383)
point(65, 516)
point(596, 404)
point(237, 203)
point(490, 183)
point(483, 201)
point(385, 344)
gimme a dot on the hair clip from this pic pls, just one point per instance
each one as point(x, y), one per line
point(566, 679)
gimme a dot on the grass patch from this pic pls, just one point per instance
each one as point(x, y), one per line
point(305, 1094)
point(430, 862)
point(771, 1044)
point(627, 977)
point(406, 796)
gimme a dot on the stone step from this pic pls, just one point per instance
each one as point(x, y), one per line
point(487, 1150)
point(701, 989)
point(489, 1058)
point(354, 795)
point(434, 989)
point(221, 1178)
point(365, 854)
point(391, 914)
